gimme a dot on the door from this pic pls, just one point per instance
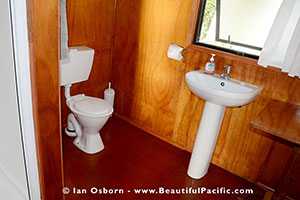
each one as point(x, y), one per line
point(13, 181)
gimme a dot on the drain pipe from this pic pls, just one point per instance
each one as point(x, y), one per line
point(78, 130)
point(73, 128)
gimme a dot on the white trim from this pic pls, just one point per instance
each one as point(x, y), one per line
point(22, 65)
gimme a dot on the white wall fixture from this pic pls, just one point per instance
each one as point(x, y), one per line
point(219, 92)
point(282, 48)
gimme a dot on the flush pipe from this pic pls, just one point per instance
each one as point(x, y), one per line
point(68, 91)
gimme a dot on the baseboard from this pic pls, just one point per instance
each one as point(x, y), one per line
point(149, 131)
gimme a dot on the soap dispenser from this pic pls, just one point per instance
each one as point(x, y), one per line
point(210, 66)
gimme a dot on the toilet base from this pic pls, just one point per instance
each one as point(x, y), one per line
point(90, 143)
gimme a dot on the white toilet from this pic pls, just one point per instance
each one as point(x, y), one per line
point(89, 114)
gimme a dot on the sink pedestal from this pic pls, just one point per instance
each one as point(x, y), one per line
point(206, 139)
point(218, 93)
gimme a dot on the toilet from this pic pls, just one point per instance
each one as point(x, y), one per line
point(88, 114)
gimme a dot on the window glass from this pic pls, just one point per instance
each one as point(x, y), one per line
point(236, 25)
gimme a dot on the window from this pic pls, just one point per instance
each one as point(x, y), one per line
point(236, 26)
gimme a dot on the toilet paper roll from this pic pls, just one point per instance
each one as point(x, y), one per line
point(175, 52)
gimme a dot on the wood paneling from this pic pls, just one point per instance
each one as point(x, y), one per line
point(144, 29)
point(43, 18)
point(280, 120)
point(274, 167)
point(151, 92)
point(91, 23)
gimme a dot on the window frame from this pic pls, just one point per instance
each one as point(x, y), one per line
point(198, 33)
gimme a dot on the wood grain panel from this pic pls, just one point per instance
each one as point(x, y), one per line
point(140, 64)
point(91, 23)
point(275, 165)
point(152, 94)
point(43, 18)
point(280, 120)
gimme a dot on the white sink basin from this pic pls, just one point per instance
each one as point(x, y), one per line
point(223, 92)
point(218, 93)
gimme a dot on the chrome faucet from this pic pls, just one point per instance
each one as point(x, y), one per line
point(226, 73)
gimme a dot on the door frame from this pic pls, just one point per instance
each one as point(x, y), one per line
point(18, 12)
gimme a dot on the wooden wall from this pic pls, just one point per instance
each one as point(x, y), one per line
point(131, 37)
point(151, 92)
point(43, 19)
point(147, 83)
point(91, 23)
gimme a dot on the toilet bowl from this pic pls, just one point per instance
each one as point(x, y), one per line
point(89, 115)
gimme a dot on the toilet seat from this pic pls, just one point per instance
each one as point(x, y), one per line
point(89, 106)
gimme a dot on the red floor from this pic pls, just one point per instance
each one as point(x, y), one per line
point(133, 159)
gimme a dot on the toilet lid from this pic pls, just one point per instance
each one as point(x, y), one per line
point(92, 105)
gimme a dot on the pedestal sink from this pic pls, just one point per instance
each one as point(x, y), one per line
point(218, 93)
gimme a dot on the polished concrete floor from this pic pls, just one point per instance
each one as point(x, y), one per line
point(133, 159)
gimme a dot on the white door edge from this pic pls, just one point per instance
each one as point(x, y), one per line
point(23, 81)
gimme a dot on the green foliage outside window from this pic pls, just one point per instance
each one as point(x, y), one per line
point(210, 10)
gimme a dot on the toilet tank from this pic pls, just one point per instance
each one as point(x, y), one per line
point(78, 66)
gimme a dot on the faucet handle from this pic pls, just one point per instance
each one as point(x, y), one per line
point(227, 69)
point(226, 72)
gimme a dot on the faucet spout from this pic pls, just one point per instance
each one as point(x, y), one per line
point(226, 73)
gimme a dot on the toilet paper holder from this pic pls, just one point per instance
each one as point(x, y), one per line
point(175, 52)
